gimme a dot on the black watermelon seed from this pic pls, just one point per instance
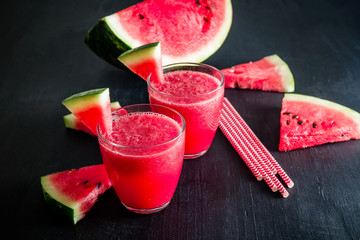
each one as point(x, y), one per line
point(287, 113)
point(205, 19)
point(287, 122)
point(85, 182)
point(295, 116)
point(343, 135)
point(98, 185)
point(198, 3)
point(314, 125)
point(300, 122)
point(141, 16)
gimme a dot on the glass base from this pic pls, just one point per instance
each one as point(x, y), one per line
point(192, 156)
point(146, 211)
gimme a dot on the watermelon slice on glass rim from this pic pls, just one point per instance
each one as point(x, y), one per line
point(144, 60)
point(308, 121)
point(189, 30)
point(72, 122)
point(268, 74)
point(73, 193)
point(91, 107)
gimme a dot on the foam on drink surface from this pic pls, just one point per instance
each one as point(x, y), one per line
point(143, 129)
point(187, 83)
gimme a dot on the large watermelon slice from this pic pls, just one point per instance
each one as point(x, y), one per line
point(309, 121)
point(144, 60)
point(91, 108)
point(72, 122)
point(74, 192)
point(268, 74)
point(189, 30)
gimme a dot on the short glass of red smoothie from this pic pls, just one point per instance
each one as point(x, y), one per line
point(196, 91)
point(143, 155)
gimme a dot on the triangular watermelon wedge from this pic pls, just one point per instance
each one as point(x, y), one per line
point(268, 74)
point(72, 122)
point(73, 193)
point(189, 30)
point(308, 121)
point(91, 108)
point(145, 60)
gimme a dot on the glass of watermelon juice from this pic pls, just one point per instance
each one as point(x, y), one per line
point(196, 91)
point(143, 155)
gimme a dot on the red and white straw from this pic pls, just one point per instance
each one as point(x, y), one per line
point(255, 155)
point(245, 153)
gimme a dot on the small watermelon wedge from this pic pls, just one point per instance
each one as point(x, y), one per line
point(73, 193)
point(308, 121)
point(72, 122)
point(189, 30)
point(91, 108)
point(268, 74)
point(144, 60)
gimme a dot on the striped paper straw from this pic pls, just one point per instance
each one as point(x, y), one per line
point(261, 148)
point(264, 169)
point(251, 141)
point(243, 151)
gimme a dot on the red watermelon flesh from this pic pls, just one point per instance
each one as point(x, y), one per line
point(309, 121)
point(72, 122)
point(74, 192)
point(268, 74)
point(92, 107)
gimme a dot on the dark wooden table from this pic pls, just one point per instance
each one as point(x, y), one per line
point(43, 60)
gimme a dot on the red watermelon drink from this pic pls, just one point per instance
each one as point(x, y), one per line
point(196, 91)
point(143, 155)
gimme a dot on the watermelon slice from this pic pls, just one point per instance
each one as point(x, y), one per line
point(144, 60)
point(74, 192)
point(72, 122)
point(309, 121)
point(189, 30)
point(91, 108)
point(268, 74)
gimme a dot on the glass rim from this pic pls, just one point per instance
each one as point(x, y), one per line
point(222, 81)
point(147, 146)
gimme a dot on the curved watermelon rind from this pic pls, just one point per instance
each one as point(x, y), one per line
point(284, 71)
point(58, 203)
point(108, 40)
point(105, 44)
point(72, 193)
point(323, 102)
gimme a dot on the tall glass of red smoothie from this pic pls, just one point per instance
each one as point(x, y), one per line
point(196, 91)
point(143, 155)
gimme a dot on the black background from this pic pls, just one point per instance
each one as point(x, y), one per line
point(43, 60)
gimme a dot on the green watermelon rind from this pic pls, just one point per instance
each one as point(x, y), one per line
point(83, 99)
point(69, 120)
point(140, 53)
point(60, 204)
point(284, 71)
point(288, 97)
point(115, 105)
point(105, 44)
point(109, 40)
